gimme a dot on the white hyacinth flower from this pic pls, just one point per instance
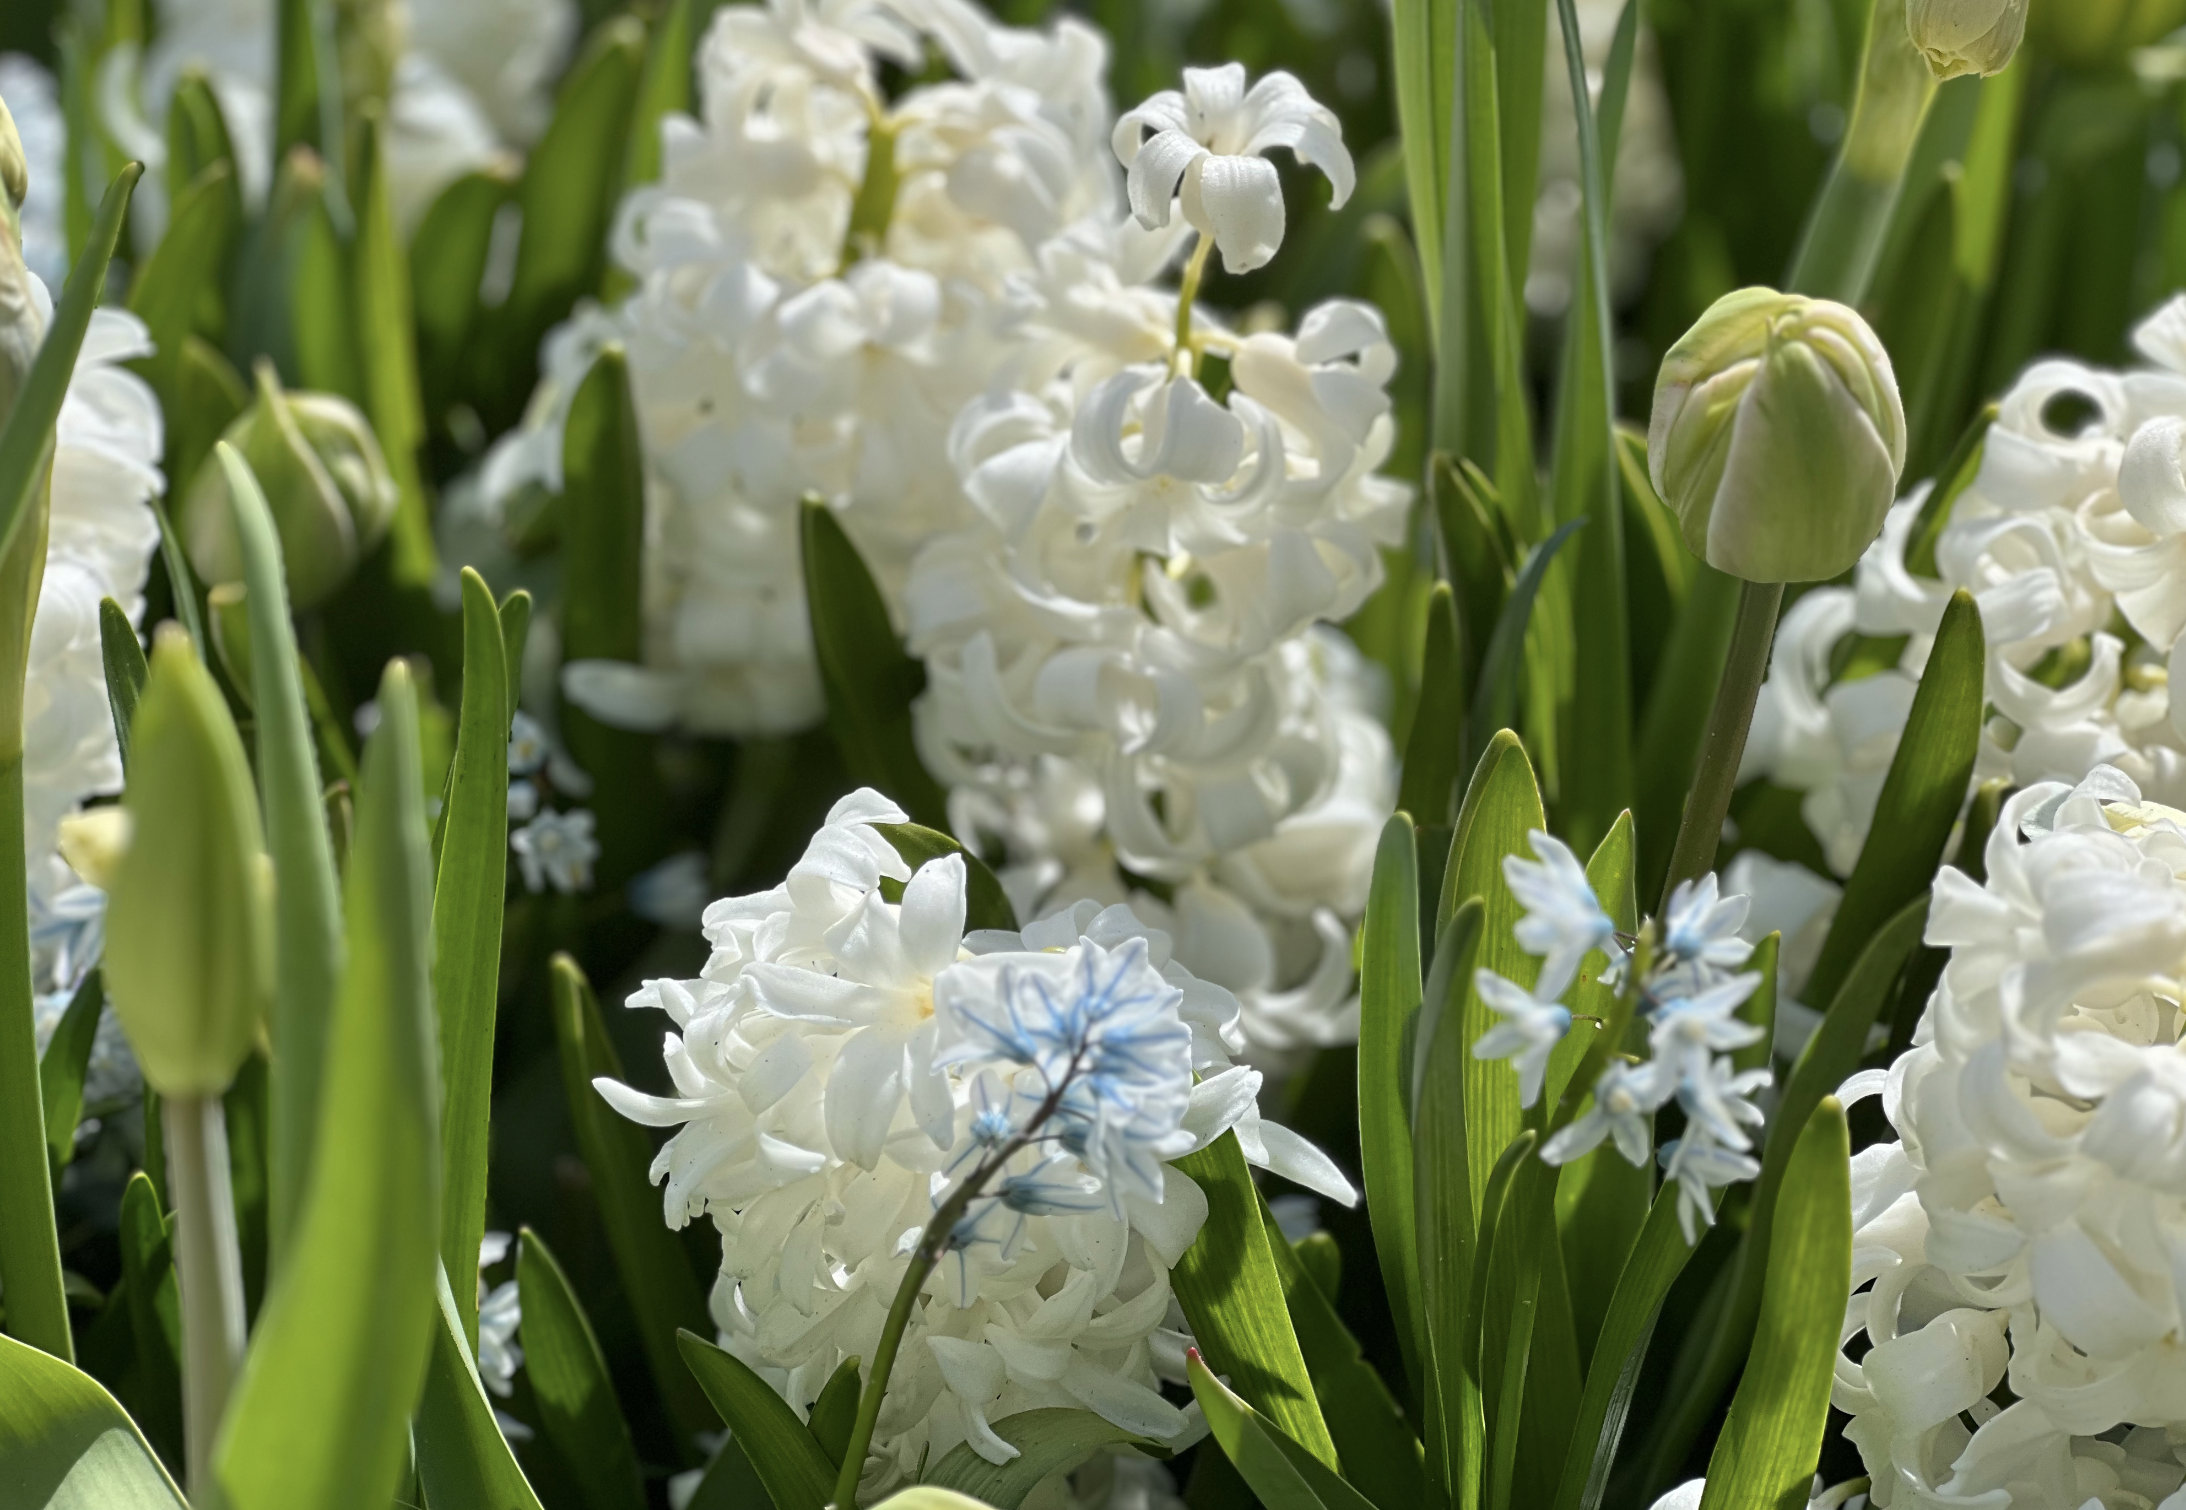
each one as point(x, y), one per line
point(1202, 150)
point(843, 1059)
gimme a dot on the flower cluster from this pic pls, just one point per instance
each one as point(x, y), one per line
point(500, 1316)
point(1113, 529)
point(1682, 976)
point(553, 847)
point(845, 1060)
point(99, 544)
point(2072, 540)
point(2026, 1230)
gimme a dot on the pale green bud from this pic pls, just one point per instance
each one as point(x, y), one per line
point(1966, 36)
point(325, 480)
point(14, 176)
point(189, 927)
point(1777, 436)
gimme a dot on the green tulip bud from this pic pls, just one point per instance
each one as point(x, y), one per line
point(2099, 33)
point(325, 480)
point(1777, 436)
point(1966, 36)
point(189, 929)
point(14, 176)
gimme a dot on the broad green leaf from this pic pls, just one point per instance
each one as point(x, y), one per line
point(1282, 1473)
point(30, 1253)
point(871, 682)
point(1830, 1055)
point(463, 1461)
point(307, 96)
point(1374, 1443)
point(1230, 1290)
point(1502, 806)
point(1921, 797)
point(1956, 476)
point(1772, 1439)
point(123, 657)
point(154, 1303)
point(447, 265)
point(1389, 997)
point(208, 396)
point(1628, 1321)
point(796, 1472)
point(1048, 1441)
point(568, 199)
point(468, 893)
point(1495, 1209)
point(986, 904)
point(62, 1067)
point(663, 90)
point(835, 1413)
point(197, 137)
point(320, 1413)
point(1444, 1200)
point(308, 948)
point(1476, 553)
point(182, 271)
point(568, 1375)
point(663, 1294)
point(65, 1444)
point(603, 564)
point(1495, 694)
point(1437, 744)
point(1425, 33)
point(515, 630)
point(387, 358)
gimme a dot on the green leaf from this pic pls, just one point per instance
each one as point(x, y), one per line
point(308, 948)
point(568, 1375)
point(1444, 1200)
point(730, 1483)
point(185, 269)
point(154, 1304)
point(209, 396)
point(65, 1444)
point(1677, 712)
point(1921, 797)
point(447, 264)
point(468, 893)
point(387, 357)
point(1374, 1442)
point(1425, 33)
point(663, 90)
point(463, 1461)
point(1052, 1440)
point(1772, 1438)
point(870, 681)
point(320, 1413)
point(1476, 554)
point(1389, 998)
point(1957, 475)
point(1285, 1475)
point(515, 629)
point(1437, 744)
point(796, 1472)
point(61, 1070)
point(835, 1413)
point(1657, 1258)
point(1228, 1285)
point(657, 1280)
point(986, 904)
point(307, 84)
point(568, 198)
point(123, 657)
point(1495, 695)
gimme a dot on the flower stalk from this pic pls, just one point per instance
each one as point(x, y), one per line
point(1724, 743)
point(208, 1271)
point(933, 1245)
point(1186, 295)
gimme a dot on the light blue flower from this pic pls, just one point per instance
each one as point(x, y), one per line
point(1625, 1097)
point(1714, 1094)
point(529, 746)
point(1529, 1032)
point(1700, 1166)
point(1688, 1030)
point(1699, 934)
point(1564, 921)
point(558, 850)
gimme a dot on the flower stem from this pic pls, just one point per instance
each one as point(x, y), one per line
point(208, 1270)
point(932, 1243)
point(1187, 292)
point(1724, 743)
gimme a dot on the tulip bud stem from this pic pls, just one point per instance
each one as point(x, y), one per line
point(1723, 745)
point(208, 1271)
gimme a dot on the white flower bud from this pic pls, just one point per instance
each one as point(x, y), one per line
point(1777, 436)
point(1966, 36)
point(325, 480)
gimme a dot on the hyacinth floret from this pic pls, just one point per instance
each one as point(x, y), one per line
point(1564, 922)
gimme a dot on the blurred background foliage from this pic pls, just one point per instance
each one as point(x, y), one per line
point(2045, 210)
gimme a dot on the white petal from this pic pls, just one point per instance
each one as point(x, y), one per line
point(1239, 201)
point(932, 920)
point(1159, 166)
point(1300, 1161)
point(625, 695)
point(862, 1092)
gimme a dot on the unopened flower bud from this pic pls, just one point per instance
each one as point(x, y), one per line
point(1966, 36)
point(93, 842)
point(14, 176)
point(189, 935)
point(1777, 436)
point(325, 480)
